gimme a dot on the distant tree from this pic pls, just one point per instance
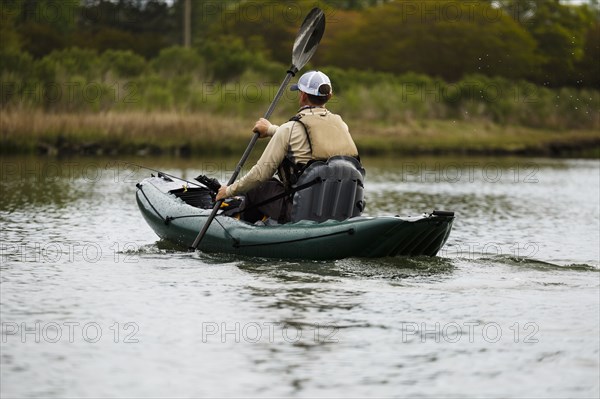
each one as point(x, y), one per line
point(340, 23)
point(206, 14)
point(9, 39)
point(263, 26)
point(102, 39)
point(41, 39)
point(520, 10)
point(61, 16)
point(354, 4)
point(17, 63)
point(144, 27)
point(227, 57)
point(43, 25)
point(136, 16)
point(559, 31)
point(440, 38)
point(588, 68)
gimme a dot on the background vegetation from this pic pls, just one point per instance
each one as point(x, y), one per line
point(512, 64)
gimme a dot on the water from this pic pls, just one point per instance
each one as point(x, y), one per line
point(93, 306)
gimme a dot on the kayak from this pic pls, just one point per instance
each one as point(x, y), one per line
point(176, 213)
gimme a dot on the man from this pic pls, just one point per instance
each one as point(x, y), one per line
point(314, 133)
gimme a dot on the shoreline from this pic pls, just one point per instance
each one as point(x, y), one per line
point(27, 132)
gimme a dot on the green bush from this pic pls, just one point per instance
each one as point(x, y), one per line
point(123, 63)
point(18, 62)
point(178, 61)
point(74, 61)
point(227, 58)
point(238, 84)
point(157, 98)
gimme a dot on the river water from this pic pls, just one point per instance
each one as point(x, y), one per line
point(92, 305)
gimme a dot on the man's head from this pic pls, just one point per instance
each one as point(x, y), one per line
point(315, 88)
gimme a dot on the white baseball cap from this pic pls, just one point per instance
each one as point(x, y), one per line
point(311, 82)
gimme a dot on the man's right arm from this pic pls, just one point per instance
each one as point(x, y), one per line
point(264, 128)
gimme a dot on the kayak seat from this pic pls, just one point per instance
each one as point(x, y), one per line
point(337, 195)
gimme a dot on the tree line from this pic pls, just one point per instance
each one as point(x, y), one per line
point(548, 42)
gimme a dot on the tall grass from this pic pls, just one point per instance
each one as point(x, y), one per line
point(118, 132)
point(139, 132)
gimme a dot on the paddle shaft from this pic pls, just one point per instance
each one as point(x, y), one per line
point(244, 158)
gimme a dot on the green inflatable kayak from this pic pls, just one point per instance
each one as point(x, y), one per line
point(177, 214)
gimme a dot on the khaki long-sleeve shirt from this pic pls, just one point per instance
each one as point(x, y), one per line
point(288, 139)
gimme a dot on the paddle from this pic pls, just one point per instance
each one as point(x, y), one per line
point(305, 45)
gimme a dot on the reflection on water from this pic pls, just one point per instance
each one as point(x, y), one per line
point(522, 260)
point(27, 184)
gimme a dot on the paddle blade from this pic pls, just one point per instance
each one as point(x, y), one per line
point(308, 38)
